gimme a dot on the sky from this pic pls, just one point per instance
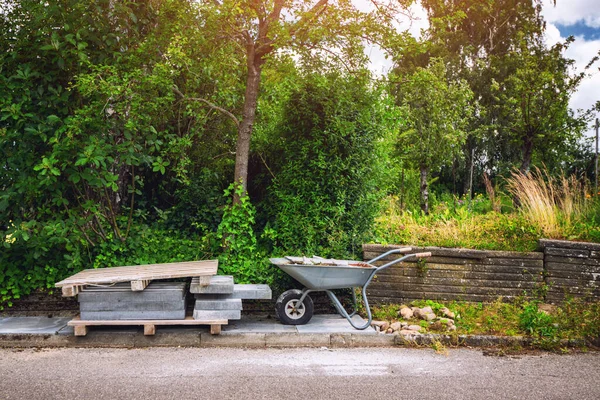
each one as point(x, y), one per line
point(579, 18)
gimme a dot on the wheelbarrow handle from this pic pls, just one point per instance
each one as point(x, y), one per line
point(395, 251)
point(415, 255)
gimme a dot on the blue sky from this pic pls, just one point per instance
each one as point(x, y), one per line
point(579, 29)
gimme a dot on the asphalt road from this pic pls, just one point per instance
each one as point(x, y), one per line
point(192, 373)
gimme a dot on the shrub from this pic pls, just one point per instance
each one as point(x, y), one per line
point(240, 255)
point(324, 195)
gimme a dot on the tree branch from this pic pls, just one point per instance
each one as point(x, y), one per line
point(208, 103)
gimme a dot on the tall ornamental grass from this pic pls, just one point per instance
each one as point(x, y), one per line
point(550, 204)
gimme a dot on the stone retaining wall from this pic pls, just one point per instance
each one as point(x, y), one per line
point(455, 274)
point(571, 269)
point(561, 269)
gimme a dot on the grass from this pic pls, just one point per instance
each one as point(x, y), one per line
point(575, 319)
point(449, 226)
point(553, 208)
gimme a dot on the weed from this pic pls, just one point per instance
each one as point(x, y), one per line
point(439, 347)
point(422, 268)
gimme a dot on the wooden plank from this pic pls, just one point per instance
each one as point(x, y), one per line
point(436, 273)
point(554, 251)
point(467, 283)
point(571, 260)
point(440, 288)
point(149, 329)
point(499, 262)
point(187, 321)
point(407, 297)
point(80, 330)
point(70, 291)
point(138, 286)
point(215, 329)
point(568, 244)
point(456, 252)
point(141, 272)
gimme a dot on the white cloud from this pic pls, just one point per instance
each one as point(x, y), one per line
point(581, 51)
point(414, 22)
point(570, 12)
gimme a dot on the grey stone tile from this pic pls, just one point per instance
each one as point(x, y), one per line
point(332, 323)
point(32, 325)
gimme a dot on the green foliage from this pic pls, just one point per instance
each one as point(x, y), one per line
point(240, 255)
point(153, 245)
point(452, 224)
point(324, 194)
point(576, 320)
point(436, 113)
point(537, 323)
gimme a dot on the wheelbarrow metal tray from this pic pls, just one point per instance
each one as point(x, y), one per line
point(317, 277)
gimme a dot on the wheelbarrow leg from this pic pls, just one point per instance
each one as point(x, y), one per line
point(354, 303)
point(344, 314)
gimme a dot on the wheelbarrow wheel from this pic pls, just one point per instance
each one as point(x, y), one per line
point(287, 309)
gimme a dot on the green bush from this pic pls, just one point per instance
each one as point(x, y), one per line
point(325, 196)
point(240, 254)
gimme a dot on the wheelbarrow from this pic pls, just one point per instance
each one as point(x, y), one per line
point(295, 307)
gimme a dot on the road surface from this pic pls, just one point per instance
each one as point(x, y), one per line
point(390, 373)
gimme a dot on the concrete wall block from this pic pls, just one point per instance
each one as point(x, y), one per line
point(210, 315)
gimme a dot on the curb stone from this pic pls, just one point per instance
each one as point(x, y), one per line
point(190, 338)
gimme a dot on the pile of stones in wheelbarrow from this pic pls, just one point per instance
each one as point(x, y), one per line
point(409, 322)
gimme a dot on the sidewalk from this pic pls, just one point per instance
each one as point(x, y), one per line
point(329, 330)
point(321, 331)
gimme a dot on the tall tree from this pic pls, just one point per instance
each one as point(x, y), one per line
point(262, 28)
point(436, 113)
point(533, 101)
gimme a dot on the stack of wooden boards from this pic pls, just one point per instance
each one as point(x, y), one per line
point(129, 296)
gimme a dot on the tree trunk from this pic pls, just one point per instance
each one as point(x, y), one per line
point(424, 190)
point(468, 151)
point(242, 153)
point(526, 151)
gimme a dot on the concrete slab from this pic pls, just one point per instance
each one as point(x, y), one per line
point(211, 315)
point(297, 340)
point(219, 284)
point(32, 325)
point(333, 323)
point(223, 304)
point(257, 325)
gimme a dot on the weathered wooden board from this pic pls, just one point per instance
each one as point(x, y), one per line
point(149, 325)
point(555, 251)
point(457, 274)
point(408, 296)
point(394, 280)
point(137, 273)
point(490, 261)
point(440, 288)
point(568, 244)
point(571, 260)
point(456, 252)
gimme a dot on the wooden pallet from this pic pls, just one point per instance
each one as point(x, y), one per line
point(138, 275)
point(81, 327)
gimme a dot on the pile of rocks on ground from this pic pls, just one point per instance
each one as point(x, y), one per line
point(409, 321)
